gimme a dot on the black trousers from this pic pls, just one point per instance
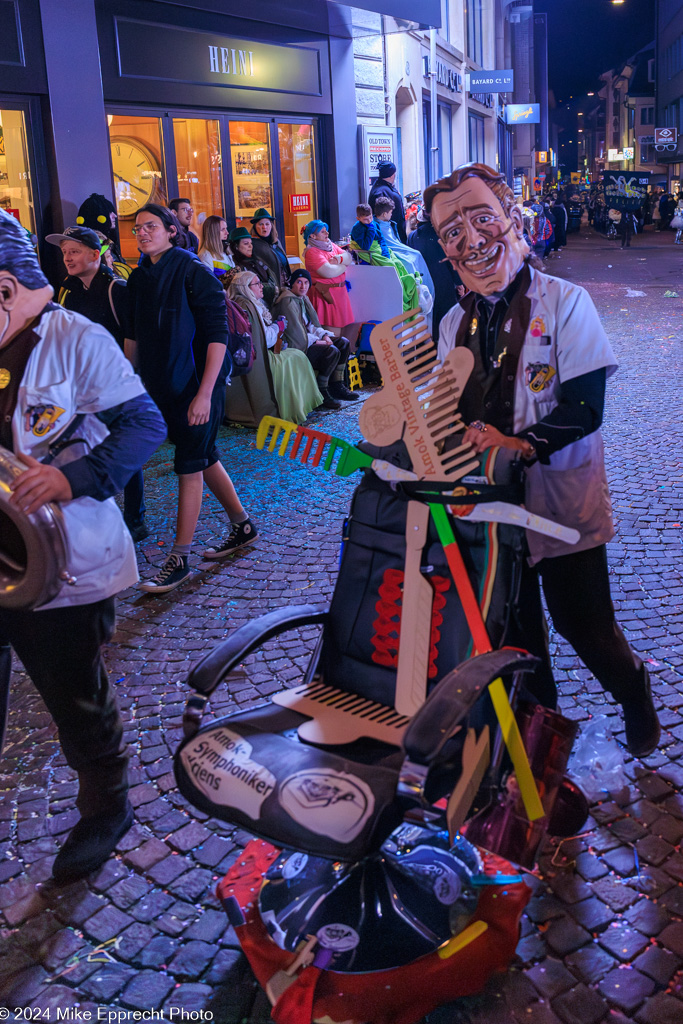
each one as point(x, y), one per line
point(326, 358)
point(577, 593)
point(61, 649)
point(134, 500)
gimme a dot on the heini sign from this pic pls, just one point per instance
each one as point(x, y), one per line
point(227, 60)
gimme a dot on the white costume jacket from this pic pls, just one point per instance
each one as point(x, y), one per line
point(77, 367)
point(565, 339)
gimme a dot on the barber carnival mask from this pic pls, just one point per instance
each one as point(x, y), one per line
point(484, 243)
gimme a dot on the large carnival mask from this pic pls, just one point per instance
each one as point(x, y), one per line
point(484, 243)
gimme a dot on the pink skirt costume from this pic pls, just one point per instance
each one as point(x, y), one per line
point(337, 311)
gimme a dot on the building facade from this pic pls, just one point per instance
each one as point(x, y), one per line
point(233, 106)
point(394, 90)
point(669, 85)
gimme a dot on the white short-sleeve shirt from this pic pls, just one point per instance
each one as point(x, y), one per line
point(565, 339)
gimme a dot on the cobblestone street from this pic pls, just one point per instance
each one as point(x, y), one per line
point(602, 939)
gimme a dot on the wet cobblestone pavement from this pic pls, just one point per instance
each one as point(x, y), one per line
point(602, 940)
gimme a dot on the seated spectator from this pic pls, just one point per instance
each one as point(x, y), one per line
point(296, 391)
point(267, 246)
point(184, 212)
point(211, 251)
point(412, 260)
point(368, 241)
point(242, 249)
point(326, 354)
point(327, 263)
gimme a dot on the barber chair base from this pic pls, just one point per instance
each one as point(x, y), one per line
point(302, 990)
point(422, 894)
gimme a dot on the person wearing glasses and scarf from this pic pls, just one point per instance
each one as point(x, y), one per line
point(294, 385)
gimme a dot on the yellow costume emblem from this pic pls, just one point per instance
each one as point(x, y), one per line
point(41, 419)
point(538, 376)
point(5, 378)
point(473, 325)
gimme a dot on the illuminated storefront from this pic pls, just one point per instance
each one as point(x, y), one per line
point(234, 123)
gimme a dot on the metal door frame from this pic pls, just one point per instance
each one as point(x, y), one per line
point(224, 117)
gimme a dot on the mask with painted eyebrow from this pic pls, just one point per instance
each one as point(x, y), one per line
point(488, 247)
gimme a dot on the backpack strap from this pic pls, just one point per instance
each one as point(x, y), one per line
point(111, 302)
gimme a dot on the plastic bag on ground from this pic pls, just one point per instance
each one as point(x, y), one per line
point(597, 761)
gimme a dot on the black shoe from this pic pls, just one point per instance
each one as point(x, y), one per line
point(642, 725)
point(328, 401)
point(89, 844)
point(339, 390)
point(240, 535)
point(138, 530)
point(173, 573)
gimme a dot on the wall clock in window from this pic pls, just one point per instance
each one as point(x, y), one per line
point(136, 173)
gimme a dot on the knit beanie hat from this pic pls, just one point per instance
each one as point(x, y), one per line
point(95, 213)
point(300, 273)
point(386, 169)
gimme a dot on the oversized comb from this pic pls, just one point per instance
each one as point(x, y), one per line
point(419, 401)
point(308, 447)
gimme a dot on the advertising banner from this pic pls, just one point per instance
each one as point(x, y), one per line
point(490, 81)
point(523, 113)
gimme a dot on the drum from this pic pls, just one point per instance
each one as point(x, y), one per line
point(33, 548)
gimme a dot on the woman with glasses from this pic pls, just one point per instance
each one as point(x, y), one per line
point(293, 378)
point(179, 332)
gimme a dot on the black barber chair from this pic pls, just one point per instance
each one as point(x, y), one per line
point(334, 776)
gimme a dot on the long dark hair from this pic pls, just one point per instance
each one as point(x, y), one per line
point(167, 218)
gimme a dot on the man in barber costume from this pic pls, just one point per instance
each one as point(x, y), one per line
point(62, 376)
point(541, 360)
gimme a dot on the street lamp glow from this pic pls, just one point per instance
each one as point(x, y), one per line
point(618, 2)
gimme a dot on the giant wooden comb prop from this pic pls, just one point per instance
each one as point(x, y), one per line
point(419, 401)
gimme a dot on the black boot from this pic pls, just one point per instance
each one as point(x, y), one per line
point(328, 401)
point(339, 390)
point(640, 720)
point(89, 844)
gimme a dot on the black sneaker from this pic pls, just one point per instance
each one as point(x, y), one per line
point(240, 535)
point(138, 530)
point(642, 725)
point(89, 844)
point(173, 573)
point(328, 401)
point(339, 390)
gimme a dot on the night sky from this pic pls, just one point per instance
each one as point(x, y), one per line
point(587, 37)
